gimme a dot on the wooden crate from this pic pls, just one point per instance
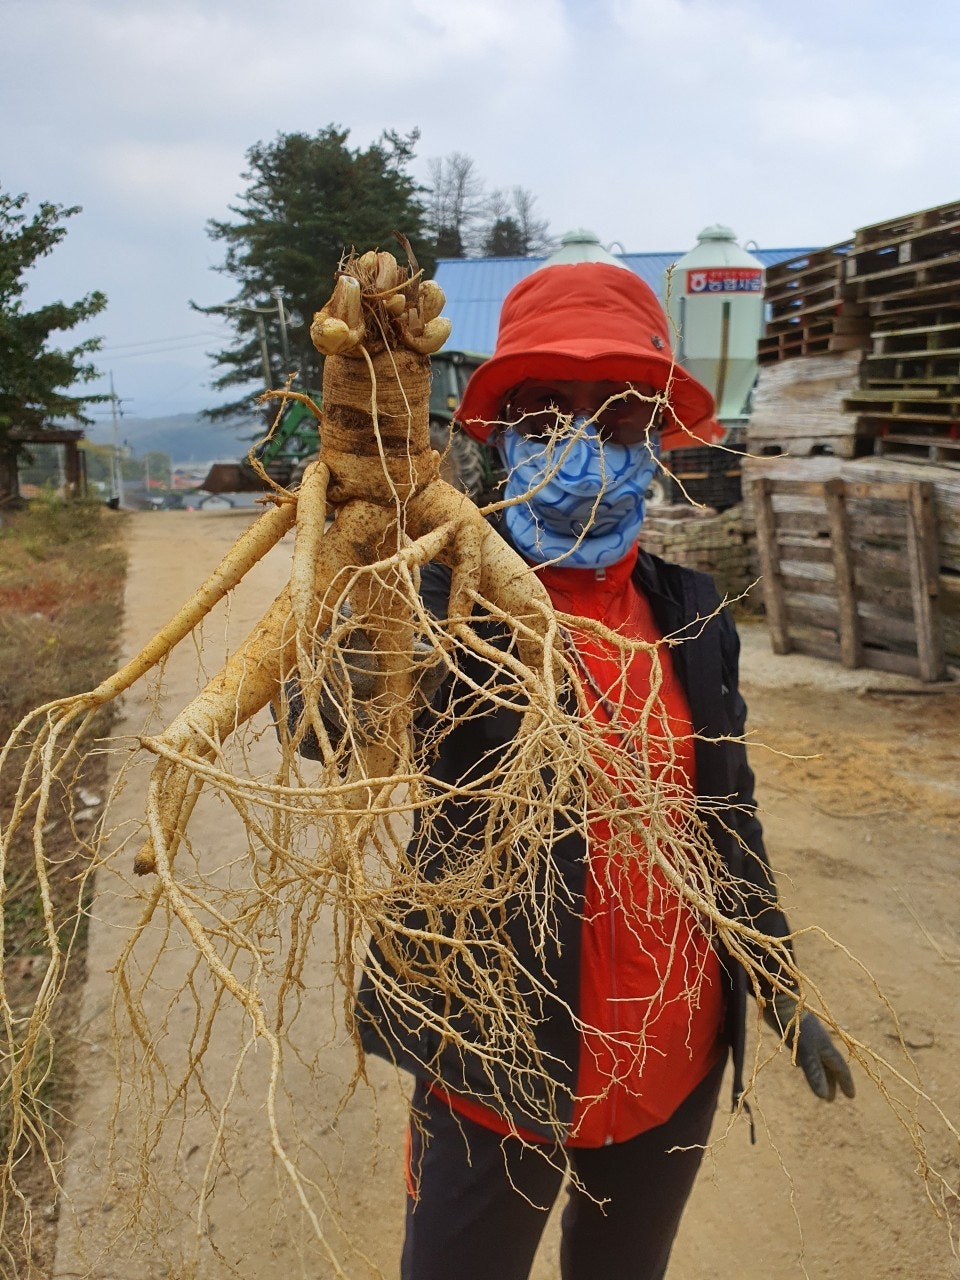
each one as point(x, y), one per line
point(850, 571)
point(882, 470)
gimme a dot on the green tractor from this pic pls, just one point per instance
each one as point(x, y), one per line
point(283, 454)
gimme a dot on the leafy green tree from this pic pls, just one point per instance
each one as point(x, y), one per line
point(309, 201)
point(35, 378)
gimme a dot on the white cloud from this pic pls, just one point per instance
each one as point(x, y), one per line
point(643, 119)
point(158, 181)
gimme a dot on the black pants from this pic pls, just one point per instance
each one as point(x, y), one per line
point(483, 1200)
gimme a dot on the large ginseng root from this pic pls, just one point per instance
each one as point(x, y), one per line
point(371, 512)
point(346, 655)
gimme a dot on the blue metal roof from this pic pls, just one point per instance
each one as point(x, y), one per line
point(476, 287)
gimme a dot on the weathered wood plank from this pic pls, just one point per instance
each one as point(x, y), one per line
point(879, 626)
point(819, 610)
point(878, 561)
point(815, 648)
point(898, 599)
point(903, 664)
point(801, 574)
point(811, 523)
point(770, 568)
point(808, 551)
point(924, 581)
point(850, 642)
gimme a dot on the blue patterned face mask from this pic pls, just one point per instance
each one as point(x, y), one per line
point(588, 513)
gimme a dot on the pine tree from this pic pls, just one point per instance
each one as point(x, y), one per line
point(309, 201)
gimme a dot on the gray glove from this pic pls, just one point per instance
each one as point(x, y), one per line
point(818, 1057)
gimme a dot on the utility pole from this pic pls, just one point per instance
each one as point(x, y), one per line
point(259, 313)
point(116, 471)
point(284, 323)
point(264, 351)
point(277, 293)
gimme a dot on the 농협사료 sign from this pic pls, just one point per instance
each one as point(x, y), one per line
point(725, 280)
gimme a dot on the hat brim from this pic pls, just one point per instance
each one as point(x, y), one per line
point(689, 418)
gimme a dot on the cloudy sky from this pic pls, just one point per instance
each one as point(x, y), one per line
point(645, 120)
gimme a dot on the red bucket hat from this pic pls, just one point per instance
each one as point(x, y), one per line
point(594, 322)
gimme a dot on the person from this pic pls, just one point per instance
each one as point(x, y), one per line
point(636, 1051)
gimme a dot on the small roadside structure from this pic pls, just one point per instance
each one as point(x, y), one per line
point(67, 470)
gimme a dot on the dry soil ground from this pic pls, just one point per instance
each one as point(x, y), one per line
point(860, 791)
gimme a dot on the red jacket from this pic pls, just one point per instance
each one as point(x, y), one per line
point(651, 1002)
point(537, 1094)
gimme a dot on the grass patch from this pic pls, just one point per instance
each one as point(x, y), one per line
point(62, 568)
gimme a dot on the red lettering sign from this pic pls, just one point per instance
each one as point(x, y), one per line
point(725, 280)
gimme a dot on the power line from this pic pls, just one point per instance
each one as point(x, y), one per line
point(156, 351)
point(148, 342)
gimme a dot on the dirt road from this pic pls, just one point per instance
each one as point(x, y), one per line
point(860, 790)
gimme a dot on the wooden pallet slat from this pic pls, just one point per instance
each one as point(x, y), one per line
point(922, 337)
point(809, 320)
point(770, 567)
point(815, 264)
point(898, 308)
point(907, 224)
point(880, 628)
point(927, 246)
point(851, 647)
point(906, 276)
point(905, 448)
point(924, 580)
point(946, 384)
point(921, 365)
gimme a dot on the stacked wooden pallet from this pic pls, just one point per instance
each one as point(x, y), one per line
point(809, 308)
point(887, 475)
point(797, 408)
point(906, 274)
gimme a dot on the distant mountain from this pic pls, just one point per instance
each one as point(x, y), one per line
point(185, 437)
